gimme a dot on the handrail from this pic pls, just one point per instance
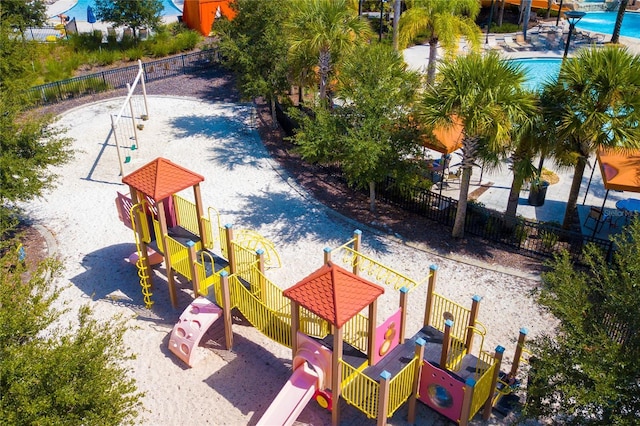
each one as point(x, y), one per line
point(359, 390)
point(401, 386)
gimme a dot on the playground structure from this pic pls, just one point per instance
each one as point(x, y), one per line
point(133, 112)
point(337, 351)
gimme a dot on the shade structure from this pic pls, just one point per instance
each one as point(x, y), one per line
point(620, 169)
point(199, 15)
point(161, 178)
point(445, 139)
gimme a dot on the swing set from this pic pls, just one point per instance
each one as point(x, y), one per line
point(125, 125)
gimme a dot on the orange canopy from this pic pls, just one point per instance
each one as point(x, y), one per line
point(445, 139)
point(200, 14)
point(161, 178)
point(535, 4)
point(620, 169)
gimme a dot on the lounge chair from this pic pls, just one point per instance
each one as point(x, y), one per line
point(508, 41)
point(492, 43)
point(520, 41)
point(538, 43)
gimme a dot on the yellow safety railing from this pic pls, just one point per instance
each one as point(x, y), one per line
point(245, 259)
point(355, 332)
point(179, 256)
point(312, 325)
point(208, 232)
point(158, 231)
point(268, 322)
point(359, 390)
point(482, 389)
point(401, 386)
point(205, 281)
point(444, 309)
point(272, 296)
point(186, 214)
point(457, 351)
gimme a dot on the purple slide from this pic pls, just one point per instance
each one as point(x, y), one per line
point(294, 396)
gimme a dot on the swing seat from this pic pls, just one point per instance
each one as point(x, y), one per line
point(127, 159)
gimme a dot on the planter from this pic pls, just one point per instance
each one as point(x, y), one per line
point(538, 193)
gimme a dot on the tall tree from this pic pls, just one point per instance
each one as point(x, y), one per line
point(328, 30)
point(370, 134)
point(254, 47)
point(586, 370)
point(485, 93)
point(444, 22)
point(622, 7)
point(596, 104)
point(29, 144)
point(23, 13)
point(134, 14)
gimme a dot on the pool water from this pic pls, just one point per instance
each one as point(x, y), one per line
point(79, 10)
point(539, 71)
point(603, 22)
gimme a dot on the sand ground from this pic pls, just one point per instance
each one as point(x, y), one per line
point(219, 141)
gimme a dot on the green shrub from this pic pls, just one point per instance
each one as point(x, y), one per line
point(58, 375)
point(521, 233)
point(134, 53)
point(506, 27)
point(187, 40)
point(107, 57)
point(549, 238)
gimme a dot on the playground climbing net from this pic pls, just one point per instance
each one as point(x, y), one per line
point(130, 119)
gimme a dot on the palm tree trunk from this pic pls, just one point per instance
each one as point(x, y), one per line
point(575, 191)
point(616, 28)
point(501, 13)
point(324, 66)
point(514, 198)
point(461, 212)
point(433, 56)
point(396, 19)
point(372, 197)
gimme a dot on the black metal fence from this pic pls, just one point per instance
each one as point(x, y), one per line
point(528, 237)
point(85, 85)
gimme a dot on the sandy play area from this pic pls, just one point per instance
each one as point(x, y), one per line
point(218, 141)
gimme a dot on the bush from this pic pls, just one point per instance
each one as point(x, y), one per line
point(58, 375)
point(506, 27)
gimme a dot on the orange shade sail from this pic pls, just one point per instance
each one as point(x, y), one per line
point(620, 169)
point(199, 15)
point(445, 139)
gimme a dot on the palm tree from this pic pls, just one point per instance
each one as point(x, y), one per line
point(596, 104)
point(622, 7)
point(442, 21)
point(485, 93)
point(328, 30)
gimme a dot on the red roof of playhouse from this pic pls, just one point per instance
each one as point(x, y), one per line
point(334, 294)
point(161, 178)
point(199, 15)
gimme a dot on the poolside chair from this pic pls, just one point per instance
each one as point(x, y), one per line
point(508, 41)
point(491, 43)
point(520, 41)
point(600, 217)
point(537, 42)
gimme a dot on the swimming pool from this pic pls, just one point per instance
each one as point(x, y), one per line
point(79, 10)
point(603, 22)
point(539, 70)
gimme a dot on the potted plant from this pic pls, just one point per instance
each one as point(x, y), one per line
point(538, 191)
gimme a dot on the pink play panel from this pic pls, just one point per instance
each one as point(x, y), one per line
point(441, 391)
point(193, 323)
